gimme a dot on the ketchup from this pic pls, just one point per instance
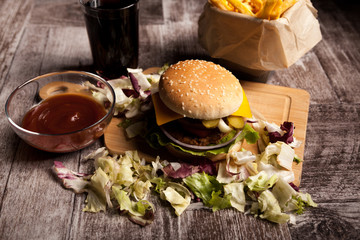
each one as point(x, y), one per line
point(63, 113)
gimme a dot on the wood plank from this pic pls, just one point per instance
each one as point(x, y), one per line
point(13, 17)
point(169, 43)
point(325, 223)
point(331, 172)
point(67, 49)
point(307, 74)
point(57, 13)
point(339, 52)
point(151, 12)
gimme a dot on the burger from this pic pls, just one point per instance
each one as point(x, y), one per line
point(199, 110)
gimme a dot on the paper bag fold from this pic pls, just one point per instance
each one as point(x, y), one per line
point(259, 44)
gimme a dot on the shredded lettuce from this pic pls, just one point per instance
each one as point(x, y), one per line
point(209, 190)
point(260, 181)
point(288, 176)
point(178, 196)
point(289, 199)
point(236, 191)
point(159, 182)
point(283, 192)
point(269, 208)
point(70, 179)
point(278, 154)
point(97, 191)
point(302, 200)
point(243, 157)
point(203, 185)
point(249, 134)
point(139, 211)
point(219, 200)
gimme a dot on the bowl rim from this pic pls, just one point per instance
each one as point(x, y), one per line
point(19, 128)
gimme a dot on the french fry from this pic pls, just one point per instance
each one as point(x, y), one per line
point(286, 5)
point(266, 9)
point(257, 4)
point(241, 7)
point(222, 4)
point(276, 12)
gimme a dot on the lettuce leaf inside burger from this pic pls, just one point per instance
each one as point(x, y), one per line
point(199, 110)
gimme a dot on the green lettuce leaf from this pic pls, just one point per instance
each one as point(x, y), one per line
point(203, 185)
point(96, 198)
point(260, 181)
point(278, 154)
point(249, 134)
point(269, 208)
point(302, 200)
point(236, 190)
point(218, 202)
point(209, 190)
point(178, 196)
point(141, 188)
point(283, 192)
point(159, 182)
point(297, 159)
point(138, 208)
point(140, 212)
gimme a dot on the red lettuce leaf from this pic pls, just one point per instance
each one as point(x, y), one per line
point(187, 169)
point(288, 128)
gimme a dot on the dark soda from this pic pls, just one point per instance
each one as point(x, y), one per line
point(113, 31)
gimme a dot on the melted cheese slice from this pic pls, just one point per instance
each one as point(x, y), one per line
point(165, 115)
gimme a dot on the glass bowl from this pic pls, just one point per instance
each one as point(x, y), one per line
point(34, 91)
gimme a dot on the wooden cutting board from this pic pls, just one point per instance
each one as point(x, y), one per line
point(277, 104)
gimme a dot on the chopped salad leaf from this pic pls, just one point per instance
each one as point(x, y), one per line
point(269, 208)
point(260, 181)
point(179, 198)
point(203, 185)
point(209, 190)
point(236, 190)
point(249, 134)
point(285, 136)
point(219, 202)
point(185, 169)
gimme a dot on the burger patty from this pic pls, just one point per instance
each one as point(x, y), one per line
point(198, 141)
point(194, 133)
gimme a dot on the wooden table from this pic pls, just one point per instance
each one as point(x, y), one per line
point(37, 37)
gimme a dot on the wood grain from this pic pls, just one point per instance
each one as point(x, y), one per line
point(38, 36)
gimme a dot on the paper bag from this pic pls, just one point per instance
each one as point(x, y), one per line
point(258, 44)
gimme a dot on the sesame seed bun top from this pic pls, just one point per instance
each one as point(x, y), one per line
point(200, 89)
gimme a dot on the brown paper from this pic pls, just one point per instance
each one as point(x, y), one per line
point(257, 44)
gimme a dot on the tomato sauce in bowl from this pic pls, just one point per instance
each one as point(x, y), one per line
point(63, 113)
